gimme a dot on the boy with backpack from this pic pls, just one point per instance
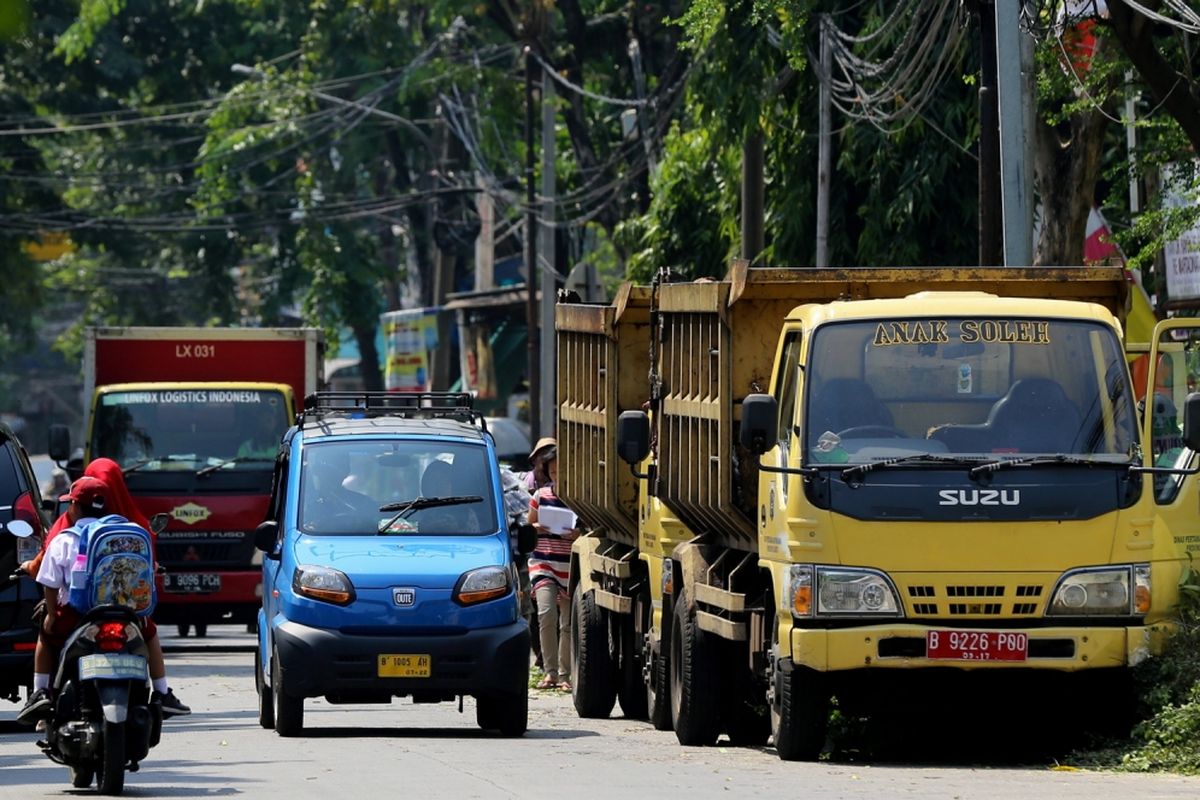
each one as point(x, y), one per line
point(88, 497)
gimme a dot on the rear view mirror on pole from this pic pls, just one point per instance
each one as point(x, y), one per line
point(760, 423)
point(633, 437)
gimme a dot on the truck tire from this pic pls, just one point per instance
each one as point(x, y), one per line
point(631, 690)
point(201, 630)
point(110, 778)
point(592, 667)
point(658, 691)
point(182, 630)
point(694, 682)
point(508, 714)
point(289, 711)
point(658, 686)
point(266, 703)
point(800, 712)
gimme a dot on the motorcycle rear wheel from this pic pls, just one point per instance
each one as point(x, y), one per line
point(111, 775)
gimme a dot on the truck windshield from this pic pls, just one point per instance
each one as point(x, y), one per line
point(975, 387)
point(170, 430)
point(356, 488)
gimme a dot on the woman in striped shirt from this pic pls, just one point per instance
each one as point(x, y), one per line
point(549, 572)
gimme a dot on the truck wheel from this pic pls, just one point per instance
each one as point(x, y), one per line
point(592, 666)
point(693, 678)
point(631, 690)
point(744, 711)
point(289, 711)
point(111, 776)
point(266, 703)
point(201, 630)
point(658, 689)
point(182, 630)
point(508, 714)
point(799, 713)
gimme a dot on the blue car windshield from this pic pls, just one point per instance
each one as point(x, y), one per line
point(345, 484)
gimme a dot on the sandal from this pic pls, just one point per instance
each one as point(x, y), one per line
point(547, 683)
point(564, 686)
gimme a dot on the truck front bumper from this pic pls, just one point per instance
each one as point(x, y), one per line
point(902, 646)
point(488, 661)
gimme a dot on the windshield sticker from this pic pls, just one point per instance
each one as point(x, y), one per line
point(964, 379)
point(970, 331)
point(182, 396)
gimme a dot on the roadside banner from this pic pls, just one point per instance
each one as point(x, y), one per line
point(409, 336)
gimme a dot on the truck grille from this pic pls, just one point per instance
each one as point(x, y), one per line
point(203, 549)
point(963, 599)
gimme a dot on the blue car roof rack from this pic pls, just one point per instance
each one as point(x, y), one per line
point(409, 405)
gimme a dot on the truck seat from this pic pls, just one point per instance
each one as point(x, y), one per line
point(1035, 416)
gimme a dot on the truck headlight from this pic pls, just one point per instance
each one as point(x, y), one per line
point(480, 585)
point(843, 590)
point(815, 590)
point(800, 590)
point(323, 583)
point(1103, 591)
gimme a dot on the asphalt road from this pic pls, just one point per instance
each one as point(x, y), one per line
point(424, 752)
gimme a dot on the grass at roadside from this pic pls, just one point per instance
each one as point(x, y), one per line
point(1168, 737)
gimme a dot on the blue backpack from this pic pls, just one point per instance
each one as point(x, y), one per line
point(115, 567)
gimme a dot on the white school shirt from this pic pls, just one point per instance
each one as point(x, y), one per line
point(55, 571)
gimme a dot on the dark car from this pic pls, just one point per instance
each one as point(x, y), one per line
point(22, 527)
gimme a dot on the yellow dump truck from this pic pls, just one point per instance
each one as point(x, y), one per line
point(850, 478)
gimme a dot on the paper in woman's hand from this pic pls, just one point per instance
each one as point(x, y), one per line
point(556, 519)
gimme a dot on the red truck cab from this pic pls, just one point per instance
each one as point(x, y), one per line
point(194, 416)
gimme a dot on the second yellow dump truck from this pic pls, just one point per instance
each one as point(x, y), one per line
point(849, 476)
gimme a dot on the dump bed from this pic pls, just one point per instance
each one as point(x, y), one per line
point(718, 343)
point(603, 369)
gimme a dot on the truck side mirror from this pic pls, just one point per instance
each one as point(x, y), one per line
point(633, 437)
point(1191, 421)
point(60, 442)
point(526, 539)
point(760, 423)
point(265, 536)
point(158, 523)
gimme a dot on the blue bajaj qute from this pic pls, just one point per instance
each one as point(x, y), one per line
point(388, 568)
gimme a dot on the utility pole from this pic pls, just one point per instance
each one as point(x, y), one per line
point(531, 309)
point(1014, 135)
point(824, 143)
point(991, 233)
point(753, 238)
point(548, 275)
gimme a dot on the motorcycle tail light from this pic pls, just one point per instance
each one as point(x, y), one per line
point(110, 636)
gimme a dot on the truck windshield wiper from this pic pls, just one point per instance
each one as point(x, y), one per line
point(915, 458)
point(406, 507)
point(134, 467)
point(1043, 460)
point(235, 460)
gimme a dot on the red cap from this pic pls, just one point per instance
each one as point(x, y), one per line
point(88, 491)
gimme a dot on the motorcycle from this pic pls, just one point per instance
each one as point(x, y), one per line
point(103, 721)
